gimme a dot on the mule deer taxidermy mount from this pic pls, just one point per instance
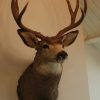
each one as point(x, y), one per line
point(41, 79)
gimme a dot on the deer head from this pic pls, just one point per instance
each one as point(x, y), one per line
point(49, 48)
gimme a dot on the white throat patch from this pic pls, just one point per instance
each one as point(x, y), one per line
point(50, 68)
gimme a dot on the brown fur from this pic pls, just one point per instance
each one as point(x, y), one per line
point(34, 85)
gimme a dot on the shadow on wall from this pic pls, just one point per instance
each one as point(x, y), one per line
point(13, 59)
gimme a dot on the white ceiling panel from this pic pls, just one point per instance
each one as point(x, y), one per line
point(92, 23)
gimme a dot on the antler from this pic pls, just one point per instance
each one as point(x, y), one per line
point(18, 16)
point(73, 17)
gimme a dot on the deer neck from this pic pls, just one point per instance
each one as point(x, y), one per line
point(47, 67)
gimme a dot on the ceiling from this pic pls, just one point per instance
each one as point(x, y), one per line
point(92, 23)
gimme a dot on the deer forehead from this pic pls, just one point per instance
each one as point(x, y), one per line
point(54, 48)
point(57, 47)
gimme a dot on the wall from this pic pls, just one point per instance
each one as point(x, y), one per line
point(93, 66)
point(47, 17)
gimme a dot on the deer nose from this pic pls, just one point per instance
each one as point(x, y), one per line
point(61, 55)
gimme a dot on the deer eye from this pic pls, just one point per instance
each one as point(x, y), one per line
point(45, 46)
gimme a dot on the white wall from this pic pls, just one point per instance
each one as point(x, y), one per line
point(93, 66)
point(47, 17)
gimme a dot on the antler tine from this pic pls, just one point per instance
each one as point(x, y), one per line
point(73, 17)
point(85, 7)
point(73, 13)
point(18, 16)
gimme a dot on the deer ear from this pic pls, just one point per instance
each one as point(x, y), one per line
point(69, 38)
point(28, 38)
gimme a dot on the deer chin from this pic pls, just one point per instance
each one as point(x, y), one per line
point(60, 60)
point(55, 60)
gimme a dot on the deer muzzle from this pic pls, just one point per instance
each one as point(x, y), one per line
point(61, 56)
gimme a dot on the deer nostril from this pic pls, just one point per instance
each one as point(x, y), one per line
point(61, 55)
